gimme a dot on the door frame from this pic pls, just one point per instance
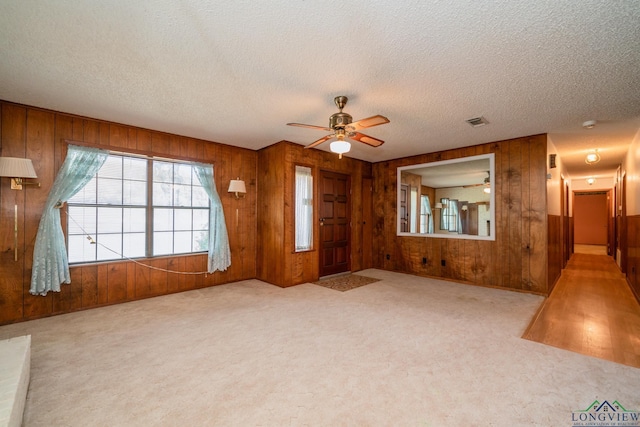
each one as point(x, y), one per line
point(367, 222)
point(319, 184)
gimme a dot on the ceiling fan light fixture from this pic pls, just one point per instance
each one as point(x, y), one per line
point(341, 126)
point(340, 147)
point(592, 158)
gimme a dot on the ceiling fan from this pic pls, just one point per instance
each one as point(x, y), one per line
point(486, 184)
point(342, 126)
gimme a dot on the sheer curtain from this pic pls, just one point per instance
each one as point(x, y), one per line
point(50, 261)
point(426, 208)
point(219, 257)
point(456, 211)
point(304, 208)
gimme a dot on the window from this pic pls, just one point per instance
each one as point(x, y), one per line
point(426, 221)
point(180, 210)
point(132, 213)
point(303, 208)
point(449, 214)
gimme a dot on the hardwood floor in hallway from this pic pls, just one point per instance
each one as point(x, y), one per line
point(591, 311)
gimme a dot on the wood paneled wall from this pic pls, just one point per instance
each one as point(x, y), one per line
point(556, 263)
point(278, 263)
point(633, 253)
point(517, 259)
point(39, 135)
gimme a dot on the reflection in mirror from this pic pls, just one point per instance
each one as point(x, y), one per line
point(449, 199)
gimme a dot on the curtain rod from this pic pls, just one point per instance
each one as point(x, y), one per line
point(140, 153)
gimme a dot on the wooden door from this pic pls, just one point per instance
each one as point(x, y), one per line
point(567, 226)
point(616, 226)
point(563, 248)
point(404, 208)
point(611, 224)
point(367, 223)
point(473, 219)
point(335, 230)
point(623, 224)
point(591, 222)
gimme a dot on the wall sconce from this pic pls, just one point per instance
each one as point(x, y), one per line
point(439, 206)
point(465, 208)
point(18, 169)
point(487, 190)
point(590, 181)
point(592, 158)
point(237, 186)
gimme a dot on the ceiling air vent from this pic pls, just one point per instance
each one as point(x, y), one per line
point(477, 121)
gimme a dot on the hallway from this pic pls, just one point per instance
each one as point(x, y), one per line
point(591, 311)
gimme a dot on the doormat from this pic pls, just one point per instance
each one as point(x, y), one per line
point(345, 283)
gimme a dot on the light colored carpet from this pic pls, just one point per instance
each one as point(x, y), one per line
point(402, 351)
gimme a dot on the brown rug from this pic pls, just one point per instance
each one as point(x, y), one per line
point(346, 282)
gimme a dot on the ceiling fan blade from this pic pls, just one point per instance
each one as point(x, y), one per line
point(310, 126)
point(320, 141)
point(472, 185)
point(361, 137)
point(367, 123)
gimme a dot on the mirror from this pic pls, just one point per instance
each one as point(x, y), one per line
point(448, 199)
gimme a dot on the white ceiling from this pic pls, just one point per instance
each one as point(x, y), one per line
point(236, 72)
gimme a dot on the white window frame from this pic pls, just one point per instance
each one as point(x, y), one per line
point(90, 232)
point(303, 208)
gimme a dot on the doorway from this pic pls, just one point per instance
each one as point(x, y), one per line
point(591, 222)
point(335, 223)
point(404, 208)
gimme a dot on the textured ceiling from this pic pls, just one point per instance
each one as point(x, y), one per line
point(236, 72)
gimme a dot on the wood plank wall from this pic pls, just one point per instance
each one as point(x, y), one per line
point(517, 259)
point(278, 263)
point(555, 249)
point(39, 134)
point(633, 253)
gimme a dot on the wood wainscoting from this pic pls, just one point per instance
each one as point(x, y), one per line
point(633, 253)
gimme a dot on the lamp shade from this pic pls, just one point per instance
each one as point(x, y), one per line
point(340, 146)
point(237, 186)
point(15, 167)
point(438, 205)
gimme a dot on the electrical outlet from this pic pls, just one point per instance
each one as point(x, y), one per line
point(443, 263)
point(388, 256)
point(424, 261)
